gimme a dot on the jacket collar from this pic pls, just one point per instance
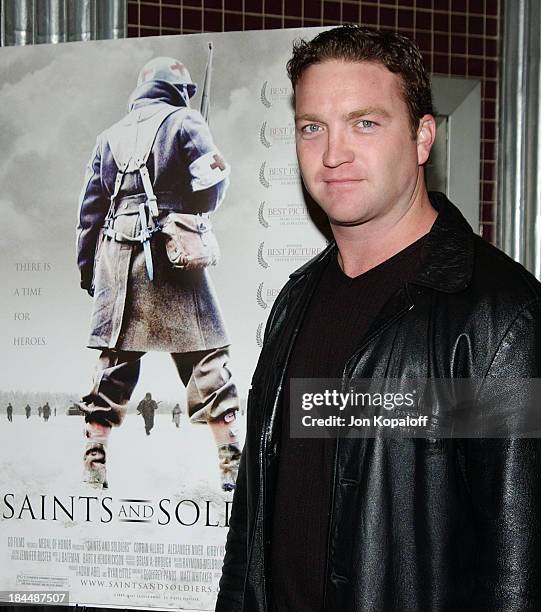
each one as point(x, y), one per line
point(447, 261)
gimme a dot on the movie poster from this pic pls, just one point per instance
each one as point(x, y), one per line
point(154, 538)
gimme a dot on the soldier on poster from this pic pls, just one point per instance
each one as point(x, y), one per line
point(144, 241)
point(28, 411)
point(146, 408)
point(9, 412)
point(176, 412)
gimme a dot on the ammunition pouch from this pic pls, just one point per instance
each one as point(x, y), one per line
point(190, 242)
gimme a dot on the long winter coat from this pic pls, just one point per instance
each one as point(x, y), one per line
point(177, 312)
point(449, 525)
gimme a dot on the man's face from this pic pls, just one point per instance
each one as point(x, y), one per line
point(356, 152)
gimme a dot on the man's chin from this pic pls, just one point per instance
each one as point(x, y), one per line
point(345, 221)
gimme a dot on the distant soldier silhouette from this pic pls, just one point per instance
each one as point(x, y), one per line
point(27, 411)
point(46, 412)
point(146, 408)
point(176, 412)
point(9, 412)
point(40, 410)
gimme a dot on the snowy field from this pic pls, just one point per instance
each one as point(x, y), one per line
point(48, 456)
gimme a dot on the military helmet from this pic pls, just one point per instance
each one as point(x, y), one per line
point(167, 69)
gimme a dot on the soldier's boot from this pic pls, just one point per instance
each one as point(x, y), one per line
point(225, 435)
point(228, 460)
point(101, 414)
point(94, 460)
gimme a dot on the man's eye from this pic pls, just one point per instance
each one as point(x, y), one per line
point(311, 128)
point(366, 123)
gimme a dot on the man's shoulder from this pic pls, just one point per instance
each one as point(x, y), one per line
point(457, 252)
point(496, 274)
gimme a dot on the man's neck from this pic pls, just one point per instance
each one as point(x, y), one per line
point(364, 246)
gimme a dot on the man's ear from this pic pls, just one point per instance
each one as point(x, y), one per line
point(426, 134)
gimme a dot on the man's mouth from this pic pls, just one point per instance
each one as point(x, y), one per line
point(342, 181)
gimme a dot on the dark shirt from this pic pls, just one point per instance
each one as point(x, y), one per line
point(337, 319)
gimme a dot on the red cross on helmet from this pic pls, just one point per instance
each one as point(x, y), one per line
point(169, 70)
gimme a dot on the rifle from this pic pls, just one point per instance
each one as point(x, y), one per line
point(205, 95)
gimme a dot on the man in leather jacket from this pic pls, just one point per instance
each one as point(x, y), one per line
point(378, 524)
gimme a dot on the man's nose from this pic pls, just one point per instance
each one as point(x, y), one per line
point(338, 151)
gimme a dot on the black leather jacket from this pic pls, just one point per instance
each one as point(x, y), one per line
point(416, 525)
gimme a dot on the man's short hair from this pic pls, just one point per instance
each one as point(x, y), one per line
point(353, 43)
